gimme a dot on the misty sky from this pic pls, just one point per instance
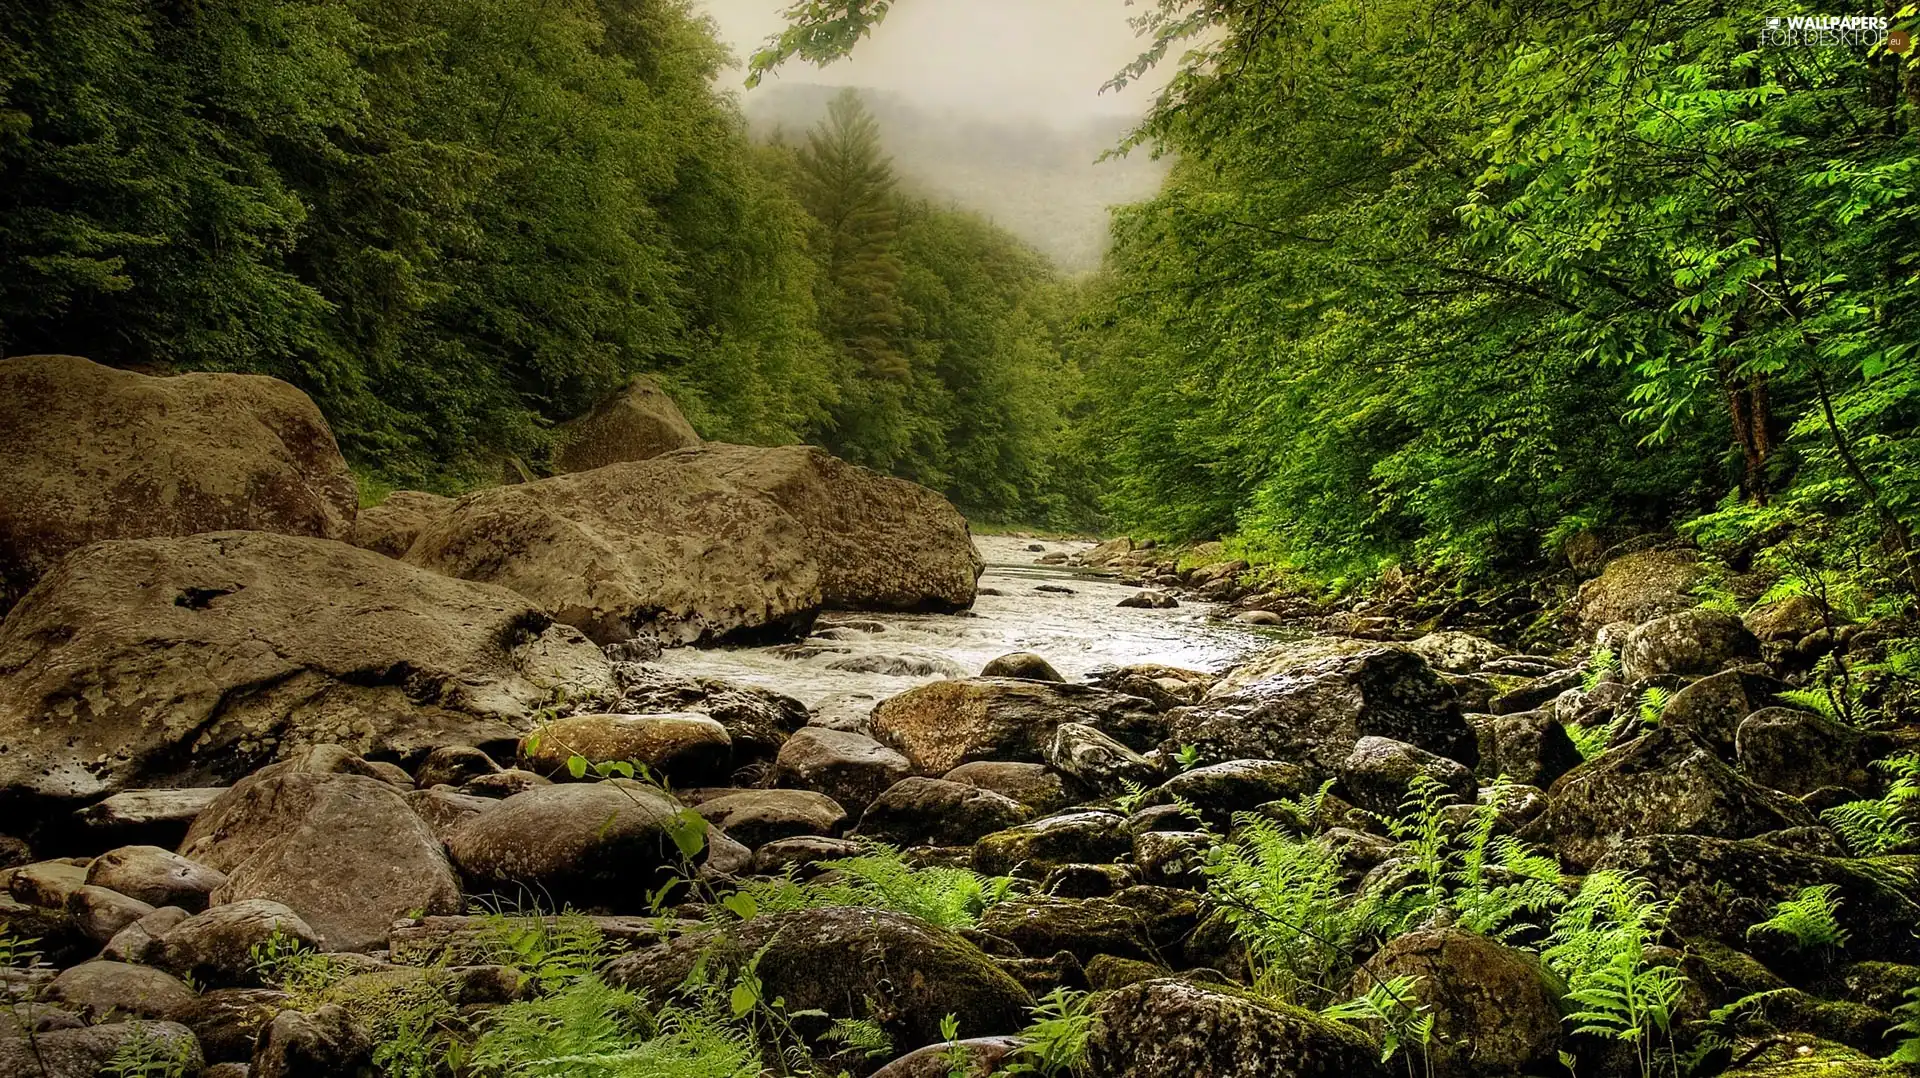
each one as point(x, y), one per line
point(1010, 59)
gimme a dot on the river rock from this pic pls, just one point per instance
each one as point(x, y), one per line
point(156, 661)
point(1663, 782)
point(1033, 850)
point(229, 1020)
point(687, 749)
point(940, 726)
point(710, 544)
point(1150, 599)
point(93, 453)
point(1036, 786)
point(99, 914)
point(391, 527)
point(322, 1043)
point(1162, 1028)
point(594, 844)
point(155, 876)
point(757, 720)
point(1220, 790)
point(1044, 926)
point(100, 989)
point(1494, 1011)
point(88, 1052)
point(983, 1056)
point(841, 960)
point(1315, 713)
point(637, 423)
point(47, 884)
point(215, 948)
point(850, 768)
point(1698, 641)
point(160, 817)
point(344, 851)
point(1720, 887)
point(757, 817)
point(1096, 761)
point(132, 943)
point(1711, 708)
point(1637, 588)
point(1379, 774)
point(1530, 748)
point(453, 765)
point(1799, 752)
point(1455, 652)
point(1021, 664)
point(935, 812)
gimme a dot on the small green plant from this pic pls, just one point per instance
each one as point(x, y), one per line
point(1808, 921)
point(1188, 757)
point(1907, 1028)
point(1599, 948)
point(1600, 665)
point(148, 1054)
point(1393, 1007)
point(1589, 741)
point(1128, 803)
point(1879, 825)
point(1055, 1042)
point(1653, 704)
point(880, 879)
point(959, 1061)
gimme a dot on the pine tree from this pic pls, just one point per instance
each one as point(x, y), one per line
point(848, 185)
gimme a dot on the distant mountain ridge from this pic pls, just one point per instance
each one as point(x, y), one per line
point(1035, 179)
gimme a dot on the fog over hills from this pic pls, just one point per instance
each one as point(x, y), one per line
point(1038, 178)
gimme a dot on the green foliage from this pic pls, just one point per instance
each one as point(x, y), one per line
point(879, 879)
point(1907, 1028)
point(1599, 948)
point(1589, 741)
point(1876, 826)
point(146, 1054)
point(1807, 921)
point(1054, 1043)
point(1393, 1007)
point(593, 1030)
point(1600, 665)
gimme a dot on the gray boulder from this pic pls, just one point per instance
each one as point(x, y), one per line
point(344, 851)
point(216, 948)
point(1494, 1010)
point(1637, 588)
point(637, 423)
point(155, 876)
point(93, 453)
point(1379, 775)
point(180, 661)
point(1663, 782)
point(593, 844)
point(940, 726)
point(1698, 641)
point(1096, 761)
point(850, 768)
point(709, 544)
point(1021, 664)
point(1161, 1028)
point(935, 812)
point(757, 817)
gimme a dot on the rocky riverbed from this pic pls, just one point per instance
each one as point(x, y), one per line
point(281, 804)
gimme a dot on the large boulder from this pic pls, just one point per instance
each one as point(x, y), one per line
point(685, 748)
point(1314, 713)
point(1663, 782)
point(1698, 641)
point(197, 660)
point(1721, 887)
point(637, 423)
point(719, 543)
point(935, 812)
point(344, 851)
point(851, 963)
point(90, 1051)
point(593, 844)
point(1712, 708)
point(757, 720)
point(93, 453)
point(940, 726)
point(1798, 752)
point(1380, 773)
point(99, 989)
point(155, 876)
point(217, 947)
point(1530, 748)
point(1162, 1028)
point(391, 527)
point(1494, 1011)
point(1036, 786)
point(851, 768)
point(757, 817)
point(1035, 849)
point(1637, 587)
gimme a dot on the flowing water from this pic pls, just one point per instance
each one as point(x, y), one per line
point(862, 655)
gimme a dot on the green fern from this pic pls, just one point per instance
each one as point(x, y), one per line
point(1808, 921)
point(1054, 1044)
point(592, 1029)
point(878, 879)
point(1819, 701)
point(1908, 1028)
point(1393, 1007)
point(1599, 948)
point(147, 1054)
point(1600, 665)
point(1589, 741)
point(1873, 827)
point(1653, 704)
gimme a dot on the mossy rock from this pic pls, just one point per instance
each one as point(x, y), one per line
point(850, 962)
point(1163, 1028)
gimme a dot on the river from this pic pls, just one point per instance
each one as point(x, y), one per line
point(864, 656)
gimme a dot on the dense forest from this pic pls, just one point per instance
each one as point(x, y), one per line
point(1429, 283)
point(457, 222)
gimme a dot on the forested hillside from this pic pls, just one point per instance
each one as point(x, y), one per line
point(456, 223)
